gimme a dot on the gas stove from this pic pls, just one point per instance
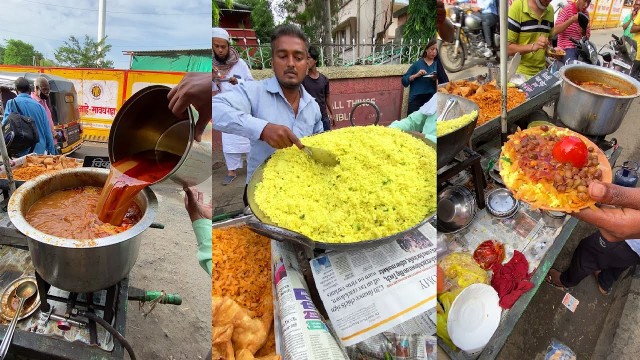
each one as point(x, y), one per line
point(60, 329)
point(61, 314)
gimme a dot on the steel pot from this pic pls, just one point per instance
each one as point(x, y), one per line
point(589, 113)
point(70, 264)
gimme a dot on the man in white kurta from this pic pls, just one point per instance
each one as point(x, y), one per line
point(228, 71)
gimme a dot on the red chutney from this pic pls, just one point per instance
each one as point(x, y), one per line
point(72, 214)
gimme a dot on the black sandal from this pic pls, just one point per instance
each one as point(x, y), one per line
point(604, 292)
point(549, 281)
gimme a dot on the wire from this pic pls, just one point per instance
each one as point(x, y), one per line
point(110, 329)
point(111, 12)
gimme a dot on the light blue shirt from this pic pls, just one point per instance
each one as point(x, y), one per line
point(250, 106)
point(634, 244)
point(487, 6)
point(31, 108)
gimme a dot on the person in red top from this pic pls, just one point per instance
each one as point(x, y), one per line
point(567, 27)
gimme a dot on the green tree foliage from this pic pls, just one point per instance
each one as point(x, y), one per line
point(18, 52)
point(215, 10)
point(421, 24)
point(261, 18)
point(1, 55)
point(91, 54)
point(310, 18)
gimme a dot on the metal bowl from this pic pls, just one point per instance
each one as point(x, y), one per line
point(456, 209)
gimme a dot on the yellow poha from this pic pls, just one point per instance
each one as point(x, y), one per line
point(449, 126)
point(385, 183)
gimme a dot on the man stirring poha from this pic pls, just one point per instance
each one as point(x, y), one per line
point(291, 111)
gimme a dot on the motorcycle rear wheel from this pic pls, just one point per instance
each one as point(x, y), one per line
point(452, 61)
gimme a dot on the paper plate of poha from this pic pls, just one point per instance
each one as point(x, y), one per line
point(550, 168)
point(384, 186)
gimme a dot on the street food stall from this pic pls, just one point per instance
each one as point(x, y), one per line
point(348, 277)
point(504, 207)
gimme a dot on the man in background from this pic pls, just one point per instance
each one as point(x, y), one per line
point(31, 108)
point(229, 70)
point(317, 85)
point(488, 12)
point(40, 94)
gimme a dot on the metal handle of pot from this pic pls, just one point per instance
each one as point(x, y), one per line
point(280, 234)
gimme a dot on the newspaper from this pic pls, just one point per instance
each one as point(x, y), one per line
point(305, 334)
point(374, 290)
point(399, 347)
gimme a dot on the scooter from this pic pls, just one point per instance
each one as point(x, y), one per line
point(618, 54)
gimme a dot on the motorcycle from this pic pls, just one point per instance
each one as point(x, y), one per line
point(618, 54)
point(469, 40)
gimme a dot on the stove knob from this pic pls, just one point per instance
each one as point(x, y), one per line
point(64, 325)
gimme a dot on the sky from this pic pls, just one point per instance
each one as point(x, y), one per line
point(130, 24)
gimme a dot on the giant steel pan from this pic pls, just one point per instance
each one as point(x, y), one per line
point(266, 227)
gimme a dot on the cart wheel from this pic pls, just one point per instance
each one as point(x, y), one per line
point(355, 106)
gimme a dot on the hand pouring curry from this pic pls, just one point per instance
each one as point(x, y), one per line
point(90, 212)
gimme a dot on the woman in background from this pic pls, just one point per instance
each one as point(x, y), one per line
point(423, 77)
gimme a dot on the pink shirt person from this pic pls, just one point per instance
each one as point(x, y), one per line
point(41, 87)
point(573, 31)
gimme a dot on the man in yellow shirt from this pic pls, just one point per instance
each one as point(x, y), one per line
point(635, 31)
point(530, 26)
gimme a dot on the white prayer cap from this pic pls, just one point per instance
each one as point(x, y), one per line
point(220, 33)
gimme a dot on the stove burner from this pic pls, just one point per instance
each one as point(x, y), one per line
point(77, 302)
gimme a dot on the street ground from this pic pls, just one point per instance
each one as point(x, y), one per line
point(228, 198)
point(167, 261)
point(603, 327)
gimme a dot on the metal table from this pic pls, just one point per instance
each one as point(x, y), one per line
point(511, 317)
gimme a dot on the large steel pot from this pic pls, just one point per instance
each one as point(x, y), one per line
point(70, 264)
point(451, 144)
point(589, 113)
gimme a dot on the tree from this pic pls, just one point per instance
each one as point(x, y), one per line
point(91, 54)
point(215, 10)
point(261, 18)
point(421, 24)
point(18, 52)
point(313, 18)
point(1, 54)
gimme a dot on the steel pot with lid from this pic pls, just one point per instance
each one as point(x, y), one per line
point(591, 113)
point(76, 265)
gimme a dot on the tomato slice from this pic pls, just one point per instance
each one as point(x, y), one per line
point(571, 149)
